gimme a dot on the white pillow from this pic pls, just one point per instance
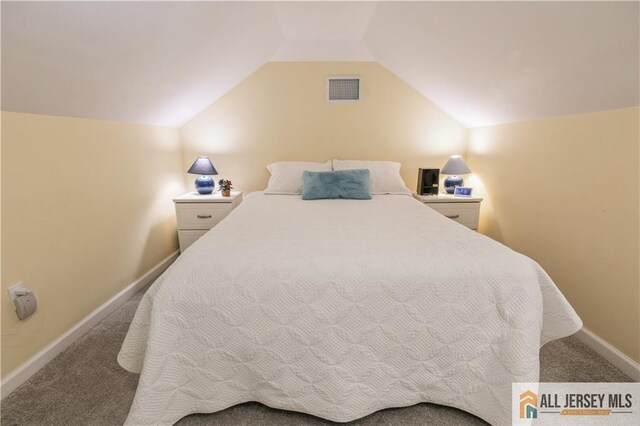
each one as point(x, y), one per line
point(286, 176)
point(385, 175)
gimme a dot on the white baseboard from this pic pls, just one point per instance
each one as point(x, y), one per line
point(40, 359)
point(611, 354)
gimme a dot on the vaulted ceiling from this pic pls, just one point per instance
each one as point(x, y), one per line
point(163, 62)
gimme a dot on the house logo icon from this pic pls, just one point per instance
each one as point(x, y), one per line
point(528, 405)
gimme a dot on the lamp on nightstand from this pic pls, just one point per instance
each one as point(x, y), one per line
point(203, 167)
point(454, 167)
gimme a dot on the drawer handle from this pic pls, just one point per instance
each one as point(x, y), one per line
point(201, 216)
point(453, 216)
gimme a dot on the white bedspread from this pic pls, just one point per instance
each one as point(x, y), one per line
point(339, 308)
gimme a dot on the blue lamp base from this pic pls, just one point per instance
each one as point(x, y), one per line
point(451, 182)
point(204, 185)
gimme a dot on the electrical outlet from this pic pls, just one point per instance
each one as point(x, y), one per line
point(19, 287)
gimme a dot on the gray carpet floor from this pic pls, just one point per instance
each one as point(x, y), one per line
point(84, 385)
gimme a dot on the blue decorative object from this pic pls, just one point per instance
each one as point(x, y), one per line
point(455, 166)
point(204, 184)
point(451, 182)
point(203, 166)
point(351, 184)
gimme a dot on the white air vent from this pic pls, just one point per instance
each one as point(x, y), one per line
point(344, 88)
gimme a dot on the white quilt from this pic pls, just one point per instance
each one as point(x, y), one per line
point(339, 308)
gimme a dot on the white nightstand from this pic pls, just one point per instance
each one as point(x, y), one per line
point(464, 210)
point(197, 214)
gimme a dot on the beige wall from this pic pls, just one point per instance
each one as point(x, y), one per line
point(565, 191)
point(86, 210)
point(280, 113)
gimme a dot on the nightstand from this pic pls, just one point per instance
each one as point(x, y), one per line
point(464, 210)
point(197, 214)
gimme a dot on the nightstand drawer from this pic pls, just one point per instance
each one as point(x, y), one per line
point(464, 213)
point(201, 215)
point(197, 213)
point(188, 237)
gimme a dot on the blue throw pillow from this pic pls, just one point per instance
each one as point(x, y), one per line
point(351, 184)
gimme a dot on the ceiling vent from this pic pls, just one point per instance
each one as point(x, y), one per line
point(344, 88)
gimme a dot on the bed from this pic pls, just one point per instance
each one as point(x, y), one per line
point(340, 308)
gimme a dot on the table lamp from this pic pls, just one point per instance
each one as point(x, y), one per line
point(454, 167)
point(203, 167)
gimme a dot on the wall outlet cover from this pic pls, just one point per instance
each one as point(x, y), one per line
point(19, 287)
